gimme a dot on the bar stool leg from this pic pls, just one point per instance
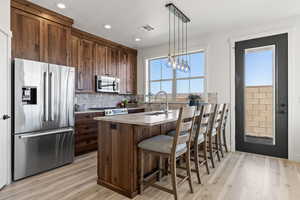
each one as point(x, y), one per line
point(224, 140)
point(196, 161)
point(211, 153)
point(141, 171)
point(217, 147)
point(220, 144)
point(174, 178)
point(159, 175)
point(205, 156)
point(188, 168)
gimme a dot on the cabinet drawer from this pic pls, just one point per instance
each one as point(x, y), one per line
point(87, 117)
point(86, 128)
point(85, 138)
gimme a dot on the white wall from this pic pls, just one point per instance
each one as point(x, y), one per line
point(220, 67)
point(5, 15)
point(6, 33)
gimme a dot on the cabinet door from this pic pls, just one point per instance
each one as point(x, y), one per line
point(100, 60)
point(27, 40)
point(123, 65)
point(57, 43)
point(131, 73)
point(75, 56)
point(112, 61)
point(86, 65)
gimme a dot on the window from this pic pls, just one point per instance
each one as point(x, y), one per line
point(175, 82)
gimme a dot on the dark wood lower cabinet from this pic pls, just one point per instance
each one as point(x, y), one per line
point(86, 131)
point(118, 165)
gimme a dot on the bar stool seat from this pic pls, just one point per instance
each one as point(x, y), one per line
point(200, 138)
point(162, 144)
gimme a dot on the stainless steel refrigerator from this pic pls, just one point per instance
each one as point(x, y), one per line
point(43, 117)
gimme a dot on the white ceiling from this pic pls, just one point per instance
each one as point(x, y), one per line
point(127, 16)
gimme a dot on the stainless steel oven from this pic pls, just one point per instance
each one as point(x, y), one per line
point(107, 84)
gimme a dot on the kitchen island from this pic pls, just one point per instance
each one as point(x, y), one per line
point(118, 137)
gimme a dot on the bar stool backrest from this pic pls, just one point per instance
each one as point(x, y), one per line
point(203, 122)
point(218, 117)
point(225, 116)
point(184, 127)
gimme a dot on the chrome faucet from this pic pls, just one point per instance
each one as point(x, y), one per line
point(166, 109)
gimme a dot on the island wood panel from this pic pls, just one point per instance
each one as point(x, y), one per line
point(118, 165)
point(27, 40)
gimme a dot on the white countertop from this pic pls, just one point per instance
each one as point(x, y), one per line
point(97, 111)
point(143, 119)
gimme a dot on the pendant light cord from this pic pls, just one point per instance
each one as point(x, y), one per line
point(169, 33)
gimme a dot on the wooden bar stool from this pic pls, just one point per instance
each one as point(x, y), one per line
point(200, 141)
point(213, 134)
point(171, 148)
point(223, 142)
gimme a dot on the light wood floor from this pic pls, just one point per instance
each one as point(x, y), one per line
point(240, 176)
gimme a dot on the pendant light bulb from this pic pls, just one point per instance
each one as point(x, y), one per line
point(182, 67)
point(174, 64)
point(170, 61)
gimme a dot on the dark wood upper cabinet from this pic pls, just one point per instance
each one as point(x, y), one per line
point(57, 43)
point(74, 61)
point(86, 65)
point(112, 61)
point(131, 73)
point(27, 40)
point(123, 71)
point(42, 35)
point(100, 65)
point(82, 58)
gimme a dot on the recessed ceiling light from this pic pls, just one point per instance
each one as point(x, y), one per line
point(61, 5)
point(107, 26)
point(137, 39)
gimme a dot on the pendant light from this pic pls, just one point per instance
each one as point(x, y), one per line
point(178, 59)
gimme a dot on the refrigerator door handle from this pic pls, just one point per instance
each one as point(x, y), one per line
point(51, 100)
point(46, 133)
point(45, 117)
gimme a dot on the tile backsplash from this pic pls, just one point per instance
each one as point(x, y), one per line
point(86, 101)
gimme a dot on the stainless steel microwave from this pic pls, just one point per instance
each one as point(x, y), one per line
point(107, 84)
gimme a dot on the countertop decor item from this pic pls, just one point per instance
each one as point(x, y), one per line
point(194, 99)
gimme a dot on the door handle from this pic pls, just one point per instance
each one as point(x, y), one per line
point(5, 117)
point(45, 97)
point(282, 112)
point(46, 133)
point(51, 101)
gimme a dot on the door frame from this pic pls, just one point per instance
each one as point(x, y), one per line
point(9, 36)
point(291, 80)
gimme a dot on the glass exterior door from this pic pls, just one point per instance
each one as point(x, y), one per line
point(262, 95)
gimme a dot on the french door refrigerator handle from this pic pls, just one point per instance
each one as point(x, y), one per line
point(51, 100)
point(45, 113)
point(46, 133)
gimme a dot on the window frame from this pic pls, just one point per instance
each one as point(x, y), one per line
point(175, 78)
